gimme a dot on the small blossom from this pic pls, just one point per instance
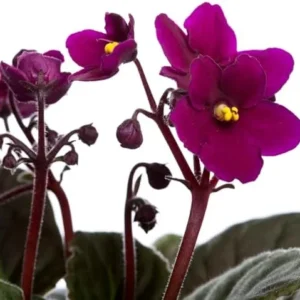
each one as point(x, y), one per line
point(9, 162)
point(146, 216)
point(88, 134)
point(208, 33)
point(32, 71)
point(157, 174)
point(71, 158)
point(226, 121)
point(101, 54)
point(129, 134)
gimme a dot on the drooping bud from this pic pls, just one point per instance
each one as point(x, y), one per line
point(146, 216)
point(88, 134)
point(157, 174)
point(129, 134)
point(71, 158)
point(9, 162)
point(51, 136)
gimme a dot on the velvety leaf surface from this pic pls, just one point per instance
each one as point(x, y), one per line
point(269, 275)
point(232, 246)
point(14, 217)
point(95, 271)
point(9, 291)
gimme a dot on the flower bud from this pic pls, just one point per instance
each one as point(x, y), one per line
point(146, 216)
point(71, 158)
point(9, 162)
point(51, 136)
point(88, 134)
point(129, 134)
point(157, 175)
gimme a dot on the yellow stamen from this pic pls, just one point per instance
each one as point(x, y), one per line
point(110, 47)
point(224, 113)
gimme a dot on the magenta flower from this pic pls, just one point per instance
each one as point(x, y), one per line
point(26, 109)
point(32, 71)
point(101, 54)
point(226, 121)
point(208, 33)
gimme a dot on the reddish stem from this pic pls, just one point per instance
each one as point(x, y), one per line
point(53, 184)
point(200, 196)
point(129, 284)
point(19, 190)
point(37, 206)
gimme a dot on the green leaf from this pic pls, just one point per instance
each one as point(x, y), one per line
point(234, 245)
point(95, 270)
point(266, 276)
point(14, 217)
point(9, 291)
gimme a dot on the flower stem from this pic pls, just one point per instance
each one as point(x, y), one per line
point(181, 161)
point(37, 206)
point(129, 251)
point(15, 192)
point(200, 196)
point(53, 184)
point(6, 124)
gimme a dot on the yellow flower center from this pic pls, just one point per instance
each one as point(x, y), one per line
point(110, 47)
point(224, 113)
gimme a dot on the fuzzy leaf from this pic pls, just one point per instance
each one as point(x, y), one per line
point(9, 291)
point(266, 276)
point(95, 270)
point(14, 217)
point(231, 247)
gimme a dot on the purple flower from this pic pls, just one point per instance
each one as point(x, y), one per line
point(26, 109)
point(32, 71)
point(208, 33)
point(101, 54)
point(226, 121)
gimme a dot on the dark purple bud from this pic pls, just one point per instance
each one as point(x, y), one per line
point(9, 162)
point(157, 175)
point(129, 134)
point(88, 134)
point(146, 216)
point(71, 158)
point(51, 136)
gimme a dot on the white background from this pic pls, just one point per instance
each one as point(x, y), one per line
point(96, 188)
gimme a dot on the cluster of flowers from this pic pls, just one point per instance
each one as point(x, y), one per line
point(226, 116)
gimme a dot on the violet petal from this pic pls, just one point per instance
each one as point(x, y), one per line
point(56, 54)
point(92, 74)
point(182, 78)
point(116, 27)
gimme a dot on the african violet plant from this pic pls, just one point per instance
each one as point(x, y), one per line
point(223, 110)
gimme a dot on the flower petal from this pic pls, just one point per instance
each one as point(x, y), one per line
point(27, 109)
point(123, 53)
point(56, 54)
point(225, 151)
point(209, 32)
point(16, 81)
point(182, 79)
point(272, 127)
point(204, 84)
point(174, 43)
point(277, 64)
point(31, 63)
point(116, 27)
point(131, 27)
point(91, 74)
point(244, 81)
point(86, 47)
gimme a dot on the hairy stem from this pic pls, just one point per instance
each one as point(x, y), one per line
point(53, 184)
point(129, 251)
point(37, 206)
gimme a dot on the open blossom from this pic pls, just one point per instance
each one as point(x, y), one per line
point(25, 109)
point(226, 121)
point(32, 71)
point(101, 54)
point(208, 33)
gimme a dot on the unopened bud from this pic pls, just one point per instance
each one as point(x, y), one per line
point(129, 134)
point(88, 134)
point(157, 174)
point(9, 162)
point(71, 158)
point(146, 217)
point(52, 136)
